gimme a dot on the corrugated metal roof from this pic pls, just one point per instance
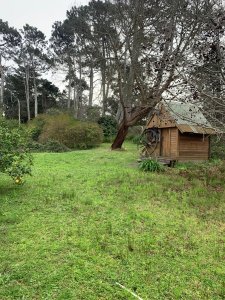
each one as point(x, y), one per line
point(188, 117)
point(195, 129)
point(186, 113)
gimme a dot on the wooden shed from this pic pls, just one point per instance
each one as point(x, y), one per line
point(179, 132)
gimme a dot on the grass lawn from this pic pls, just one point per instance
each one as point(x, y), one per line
point(88, 219)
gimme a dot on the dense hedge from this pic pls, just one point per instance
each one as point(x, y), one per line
point(15, 159)
point(67, 131)
point(109, 127)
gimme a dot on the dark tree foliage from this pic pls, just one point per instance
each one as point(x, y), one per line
point(15, 97)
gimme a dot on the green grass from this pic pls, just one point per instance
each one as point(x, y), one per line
point(88, 219)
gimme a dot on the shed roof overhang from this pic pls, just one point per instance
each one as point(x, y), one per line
point(185, 128)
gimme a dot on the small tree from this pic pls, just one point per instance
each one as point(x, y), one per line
point(15, 159)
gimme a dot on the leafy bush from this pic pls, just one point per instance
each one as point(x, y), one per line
point(218, 147)
point(10, 123)
point(35, 126)
point(109, 127)
point(134, 134)
point(50, 146)
point(55, 146)
point(67, 131)
point(151, 165)
point(83, 135)
point(15, 159)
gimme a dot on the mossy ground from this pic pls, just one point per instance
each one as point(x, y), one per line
point(88, 219)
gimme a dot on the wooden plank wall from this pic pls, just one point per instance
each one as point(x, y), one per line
point(174, 141)
point(169, 143)
point(193, 147)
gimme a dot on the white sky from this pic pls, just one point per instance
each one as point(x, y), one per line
point(39, 13)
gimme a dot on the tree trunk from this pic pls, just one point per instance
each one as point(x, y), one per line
point(103, 71)
point(130, 119)
point(35, 88)
point(69, 88)
point(35, 98)
point(2, 83)
point(19, 111)
point(75, 102)
point(79, 98)
point(27, 90)
point(90, 102)
point(120, 137)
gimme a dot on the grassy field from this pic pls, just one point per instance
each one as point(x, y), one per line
point(88, 219)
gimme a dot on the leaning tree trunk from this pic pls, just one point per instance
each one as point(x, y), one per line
point(120, 137)
point(127, 122)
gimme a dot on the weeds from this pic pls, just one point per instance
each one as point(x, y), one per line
point(150, 165)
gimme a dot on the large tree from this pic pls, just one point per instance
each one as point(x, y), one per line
point(34, 59)
point(156, 41)
point(15, 96)
point(9, 41)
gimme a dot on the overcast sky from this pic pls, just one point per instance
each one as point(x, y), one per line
point(39, 13)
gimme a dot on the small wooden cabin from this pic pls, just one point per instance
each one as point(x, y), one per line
point(183, 133)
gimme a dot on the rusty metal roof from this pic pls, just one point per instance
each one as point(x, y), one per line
point(196, 129)
point(189, 118)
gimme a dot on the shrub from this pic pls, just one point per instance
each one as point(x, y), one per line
point(35, 126)
point(15, 159)
point(218, 147)
point(69, 132)
point(55, 146)
point(151, 165)
point(109, 127)
point(134, 134)
point(10, 123)
point(50, 146)
point(83, 135)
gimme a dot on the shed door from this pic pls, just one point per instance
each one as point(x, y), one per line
point(169, 144)
point(166, 149)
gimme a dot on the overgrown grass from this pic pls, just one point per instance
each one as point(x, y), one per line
point(89, 219)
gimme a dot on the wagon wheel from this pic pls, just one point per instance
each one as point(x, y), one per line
point(148, 142)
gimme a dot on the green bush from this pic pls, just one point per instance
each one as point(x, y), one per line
point(50, 146)
point(35, 126)
point(67, 131)
point(151, 165)
point(134, 134)
point(217, 147)
point(109, 127)
point(10, 123)
point(83, 135)
point(15, 159)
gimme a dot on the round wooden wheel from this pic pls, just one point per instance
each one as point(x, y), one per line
point(148, 142)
